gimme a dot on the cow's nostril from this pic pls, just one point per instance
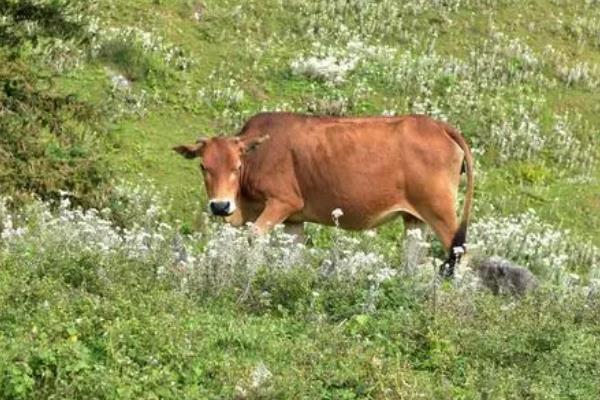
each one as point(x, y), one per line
point(220, 207)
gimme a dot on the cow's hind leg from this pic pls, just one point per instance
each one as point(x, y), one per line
point(441, 217)
point(296, 229)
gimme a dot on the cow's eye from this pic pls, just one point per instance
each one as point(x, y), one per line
point(202, 167)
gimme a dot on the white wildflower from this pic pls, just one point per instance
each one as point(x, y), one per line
point(336, 214)
point(260, 376)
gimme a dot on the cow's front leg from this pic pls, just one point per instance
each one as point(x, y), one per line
point(275, 212)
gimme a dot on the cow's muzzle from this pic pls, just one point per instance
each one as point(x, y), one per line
point(221, 208)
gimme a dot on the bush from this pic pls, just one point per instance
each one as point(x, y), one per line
point(50, 140)
point(36, 21)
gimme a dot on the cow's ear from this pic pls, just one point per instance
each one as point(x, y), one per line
point(252, 144)
point(191, 150)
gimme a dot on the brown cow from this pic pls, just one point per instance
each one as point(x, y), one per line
point(290, 168)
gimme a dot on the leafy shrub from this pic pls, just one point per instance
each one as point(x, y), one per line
point(38, 21)
point(50, 142)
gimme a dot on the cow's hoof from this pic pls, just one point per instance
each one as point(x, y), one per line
point(446, 270)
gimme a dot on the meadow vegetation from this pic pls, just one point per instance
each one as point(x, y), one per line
point(115, 284)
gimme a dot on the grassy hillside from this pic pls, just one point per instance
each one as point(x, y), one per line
point(512, 76)
point(145, 300)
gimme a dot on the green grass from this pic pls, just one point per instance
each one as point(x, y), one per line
point(274, 88)
point(216, 42)
point(136, 337)
point(68, 331)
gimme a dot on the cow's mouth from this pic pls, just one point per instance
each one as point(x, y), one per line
point(222, 214)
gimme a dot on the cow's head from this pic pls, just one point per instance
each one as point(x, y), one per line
point(222, 162)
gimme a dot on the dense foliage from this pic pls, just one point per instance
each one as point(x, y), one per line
point(144, 311)
point(49, 141)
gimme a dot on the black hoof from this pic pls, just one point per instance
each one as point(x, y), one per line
point(446, 270)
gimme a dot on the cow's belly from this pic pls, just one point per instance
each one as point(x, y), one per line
point(359, 212)
point(367, 181)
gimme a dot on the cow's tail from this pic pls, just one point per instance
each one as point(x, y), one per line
point(457, 247)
